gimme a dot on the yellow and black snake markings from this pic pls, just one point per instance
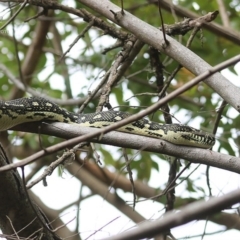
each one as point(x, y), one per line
point(32, 109)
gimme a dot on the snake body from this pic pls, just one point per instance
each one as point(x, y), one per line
point(33, 109)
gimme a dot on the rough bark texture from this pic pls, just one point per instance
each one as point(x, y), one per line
point(17, 216)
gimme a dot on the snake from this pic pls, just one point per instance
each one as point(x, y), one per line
point(35, 109)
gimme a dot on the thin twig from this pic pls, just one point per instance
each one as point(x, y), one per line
point(130, 176)
point(162, 23)
point(15, 14)
point(223, 13)
point(90, 24)
point(113, 76)
point(217, 121)
point(14, 230)
point(94, 92)
point(44, 225)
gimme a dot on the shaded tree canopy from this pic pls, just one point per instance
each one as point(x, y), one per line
point(175, 62)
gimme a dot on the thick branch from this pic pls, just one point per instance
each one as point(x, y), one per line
point(186, 214)
point(175, 50)
point(16, 213)
point(195, 155)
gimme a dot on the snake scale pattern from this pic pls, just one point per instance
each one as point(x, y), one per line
point(33, 109)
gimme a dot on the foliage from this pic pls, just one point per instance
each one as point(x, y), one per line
point(84, 66)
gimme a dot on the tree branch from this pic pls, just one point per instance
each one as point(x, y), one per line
point(184, 215)
point(175, 50)
point(16, 207)
point(219, 30)
point(195, 155)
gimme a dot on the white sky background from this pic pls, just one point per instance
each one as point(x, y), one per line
point(95, 212)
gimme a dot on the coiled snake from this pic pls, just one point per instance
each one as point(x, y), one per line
point(33, 109)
